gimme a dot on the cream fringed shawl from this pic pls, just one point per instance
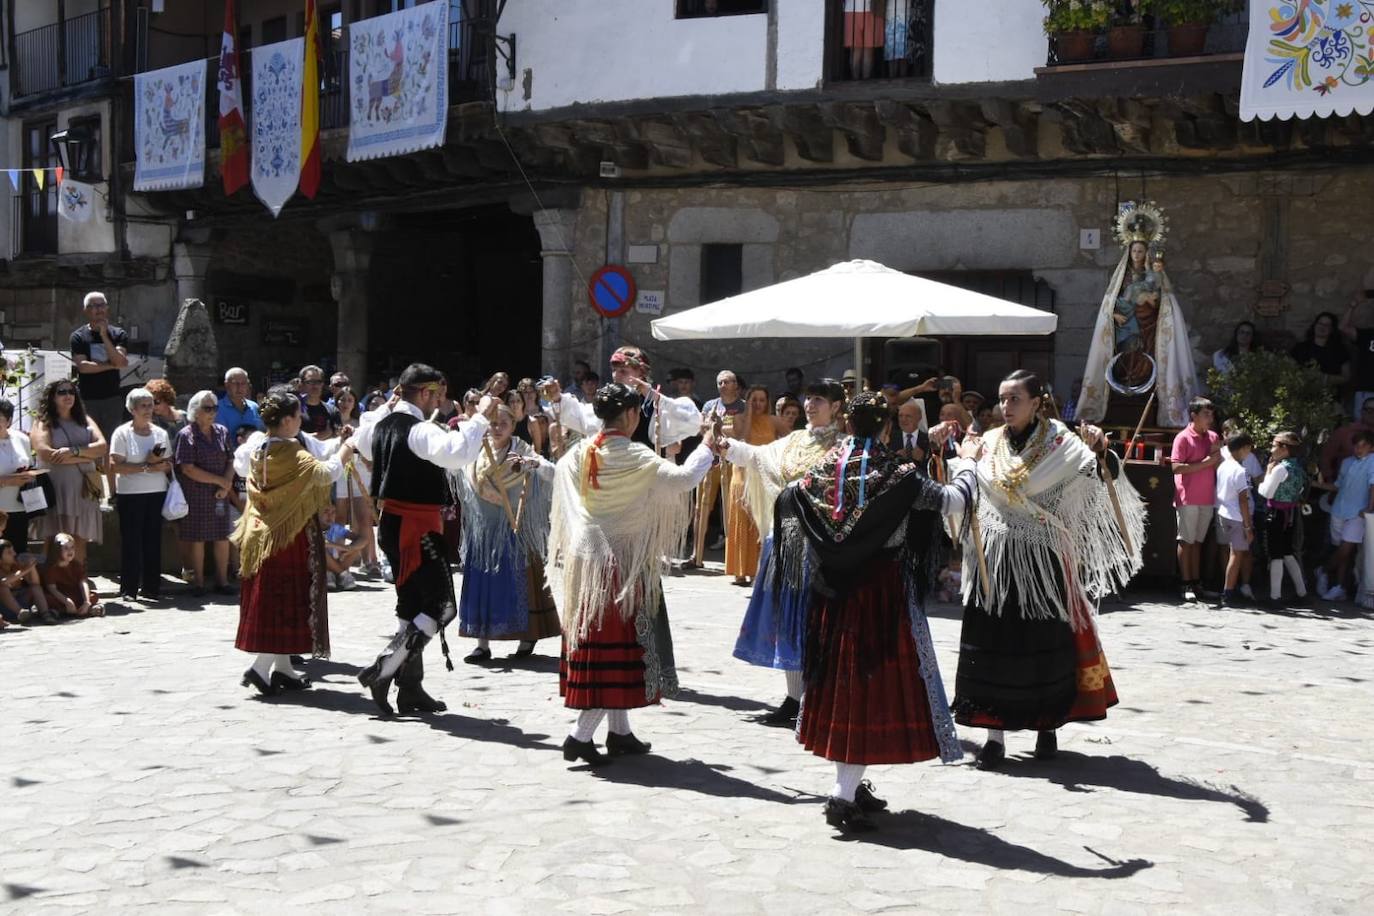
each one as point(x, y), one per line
point(1048, 526)
point(609, 534)
point(769, 468)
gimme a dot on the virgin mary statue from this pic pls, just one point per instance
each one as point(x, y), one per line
point(1140, 339)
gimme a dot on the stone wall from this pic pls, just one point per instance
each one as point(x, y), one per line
point(1227, 234)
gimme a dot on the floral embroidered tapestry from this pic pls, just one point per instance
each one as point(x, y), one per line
point(1308, 57)
point(276, 113)
point(398, 82)
point(169, 128)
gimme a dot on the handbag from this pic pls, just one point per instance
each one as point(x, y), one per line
point(34, 498)
point(92, 485)
point(174, 503)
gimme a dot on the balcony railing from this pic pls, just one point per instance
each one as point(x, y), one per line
point(33, 223)
point(1225, 36)
point(63, 54)
point(870, 39)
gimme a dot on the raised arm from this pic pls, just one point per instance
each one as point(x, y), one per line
point(450, 449)
point(678, 478)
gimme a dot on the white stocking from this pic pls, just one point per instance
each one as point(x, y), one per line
point(484, 643)
point(996, 734)
point(587, 722)
point(619, 721)
point(1290, 563)
point(283, 664)
point(263, 664)
point(794, 684)
point(847, 779)
point(1275, 579)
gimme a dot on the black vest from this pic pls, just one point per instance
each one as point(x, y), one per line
point(397, 472)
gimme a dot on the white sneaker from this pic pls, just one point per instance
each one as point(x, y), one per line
point(345, 581)
point(331, 582)
point(1189, 596)
point(1335, 593)
point(1323, 583)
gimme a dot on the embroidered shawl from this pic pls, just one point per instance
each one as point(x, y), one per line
point(486, 527)
point(287, 487)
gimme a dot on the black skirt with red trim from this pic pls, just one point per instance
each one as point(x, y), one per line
point(865, 701)
point(622, 664)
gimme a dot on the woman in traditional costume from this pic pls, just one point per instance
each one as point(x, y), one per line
point(1052, 535)
point(771, 635)
point(505, 497)
point(618, 511)
point(282, 596)
point(741, 535)
point(868, 527)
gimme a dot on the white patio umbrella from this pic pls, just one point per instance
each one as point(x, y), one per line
point(855, 299)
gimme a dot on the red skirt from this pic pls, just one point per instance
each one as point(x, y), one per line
point(865, 702)
point(282, 609)
point(617, 666)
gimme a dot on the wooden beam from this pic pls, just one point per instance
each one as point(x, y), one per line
point(860, 126)
point(712, 142)
point(813, 138)
point(758, 137)
point(915, 132)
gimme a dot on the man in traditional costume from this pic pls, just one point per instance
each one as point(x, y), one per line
point(618, 512)
point(505, 496)
point(774, 623)
point(410, 457)
point(1060, 526)
point(283, 609)
point(665, 421)
point(868, 528)
point(1141, 337)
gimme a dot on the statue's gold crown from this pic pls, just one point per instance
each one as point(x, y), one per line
point(1141, 222)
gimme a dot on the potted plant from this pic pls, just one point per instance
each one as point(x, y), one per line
point(1073, 26)
point(1188, 22)
point(1126, 36)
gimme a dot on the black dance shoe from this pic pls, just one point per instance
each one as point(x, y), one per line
point(1046, 746)
point(414, 699)
point(866, 800)
point(252, 679)
point(282, 681)
point(784, 715)
point(370, 677)
point(847, 816)
point(622, 745)
point(478, 656)
point(991, 756)
point(524, 650)
point(585, 751)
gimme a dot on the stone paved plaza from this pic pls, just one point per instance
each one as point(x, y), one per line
point(1233, 778)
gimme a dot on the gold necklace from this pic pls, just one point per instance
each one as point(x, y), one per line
point(1011, 471)
point(803, 449)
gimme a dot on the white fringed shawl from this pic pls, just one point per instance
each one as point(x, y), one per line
point(769, 468)
point(1050, 522)
point(607, 543)
point(486, 528)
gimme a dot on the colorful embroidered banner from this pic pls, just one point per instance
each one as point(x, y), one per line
point(398, 67)
point(169, 128)
point(75, 201)
point(1308, 57)
point(277, 121)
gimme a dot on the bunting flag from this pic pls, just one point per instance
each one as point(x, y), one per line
point(39, 175)
point(233, 146)
point(169, 128)
point(277, 121)
point(310, 105)
point(14, 177)
point(398, 64)
point(57, 170)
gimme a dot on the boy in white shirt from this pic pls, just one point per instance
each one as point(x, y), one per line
point(1235, 526)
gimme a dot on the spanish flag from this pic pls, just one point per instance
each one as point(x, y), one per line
point(233, 135)
point(310, 104)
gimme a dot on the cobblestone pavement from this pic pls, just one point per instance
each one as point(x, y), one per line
point(1232, 779)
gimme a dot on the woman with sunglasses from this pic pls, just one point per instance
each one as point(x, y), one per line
point(204, 465)
point(68, 443)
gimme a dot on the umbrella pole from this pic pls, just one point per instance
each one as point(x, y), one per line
point(858, 364)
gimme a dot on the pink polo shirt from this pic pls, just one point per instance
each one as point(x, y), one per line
point(1200, 487)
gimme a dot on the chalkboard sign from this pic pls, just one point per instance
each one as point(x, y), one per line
point(290, 332)
point(231, 311)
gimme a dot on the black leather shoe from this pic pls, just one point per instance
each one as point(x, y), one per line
point(585, 751)
point(282, 681)
point(524, 650)
point(621, 745)
point(866, 800)
point(846, 816)
point(785, 714)
point(378, 687)
point(991, 756)
point(478, 656)
point(414, 699)
point(298, 660)
point(1046, 746)
point(252, 679)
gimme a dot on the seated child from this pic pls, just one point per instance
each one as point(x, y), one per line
point(340, 549)
point(21, 590)
point(64, 579)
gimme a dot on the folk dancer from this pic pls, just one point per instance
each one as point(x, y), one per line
point(282, 597)
point(410, 456)
point(1029, 655)
point(618, 510)
point(867, 527)
point(664, 421)
point(774, 623)
point(505, 497)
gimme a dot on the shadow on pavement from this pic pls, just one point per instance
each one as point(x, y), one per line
point(655, 772)
point(318, 667)
point(499, 731)
point(1084, 773)
point(738, 704)
point(916, 830)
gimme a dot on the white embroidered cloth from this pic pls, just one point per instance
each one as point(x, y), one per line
point(1308, 57)
point(75, 200)
point(169, 128)
point(277, 121)
point(398, 77)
